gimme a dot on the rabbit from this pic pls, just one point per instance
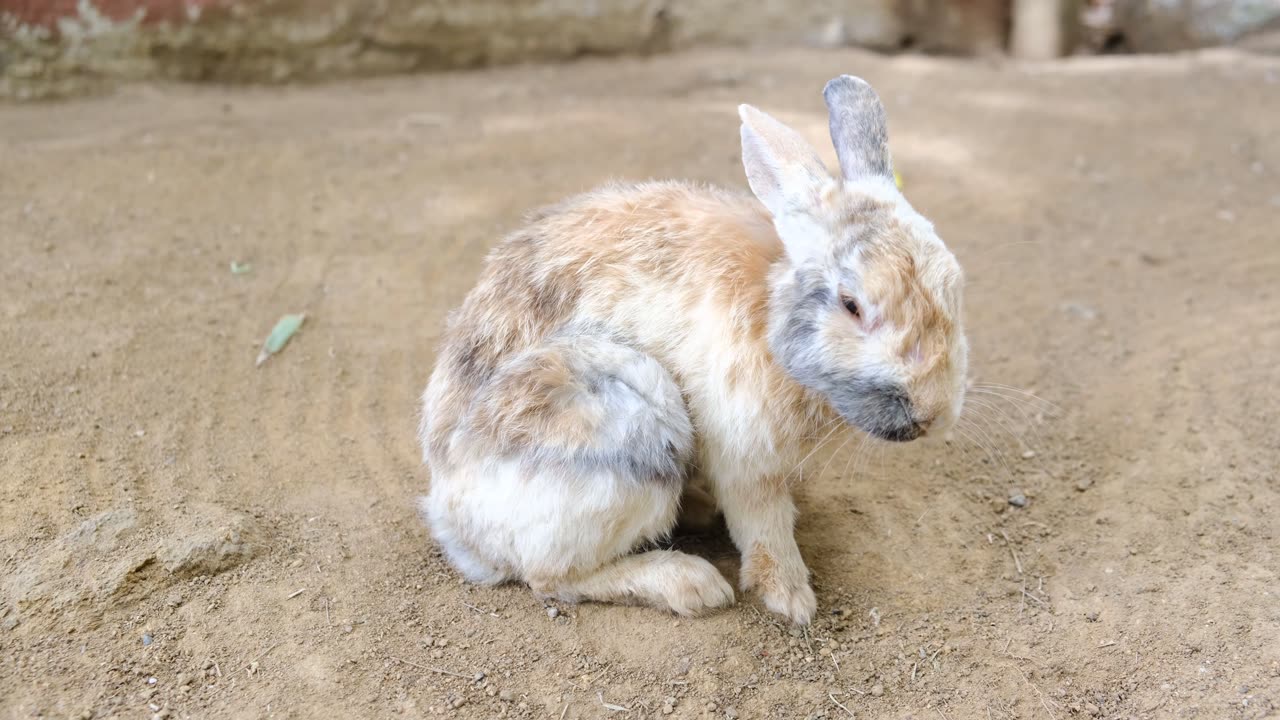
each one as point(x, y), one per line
point(647, 347)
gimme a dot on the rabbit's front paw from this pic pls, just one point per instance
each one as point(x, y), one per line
point(784, 584)
point(796, 602)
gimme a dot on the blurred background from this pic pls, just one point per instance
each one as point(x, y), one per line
point(51, 47)
point(185, 534)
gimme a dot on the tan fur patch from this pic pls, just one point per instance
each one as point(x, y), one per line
point(762, 570)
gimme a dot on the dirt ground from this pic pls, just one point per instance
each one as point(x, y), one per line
point(184, 534)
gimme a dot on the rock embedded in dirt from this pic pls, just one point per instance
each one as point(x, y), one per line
point(877, 690)
point(92, 561)
point(1018, 499)
point(220, 540)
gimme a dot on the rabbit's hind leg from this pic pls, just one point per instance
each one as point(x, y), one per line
point(579, 449)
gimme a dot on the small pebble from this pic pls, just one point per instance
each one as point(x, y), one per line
point(1017, 499)
point(1028, 454)
point(151, 681)
point(1084, 484)
point(347, 628)
point(877, 690)
point(161, 714)
point(506, 696)
point(998, 506)
point(146, 639)
point(442, 643)
point(1091, 616)
point(459, 703)
point(731, 712)
point(553, 613)
point(479, 676)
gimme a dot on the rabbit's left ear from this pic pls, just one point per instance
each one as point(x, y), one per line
point(783, 170)
point(859, 129)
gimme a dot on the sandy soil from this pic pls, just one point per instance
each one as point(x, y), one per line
point(183, 533)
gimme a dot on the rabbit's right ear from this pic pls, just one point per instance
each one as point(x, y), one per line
point(783, 170)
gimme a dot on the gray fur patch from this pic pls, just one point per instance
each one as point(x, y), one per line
point(644, 433)
point(634, 440)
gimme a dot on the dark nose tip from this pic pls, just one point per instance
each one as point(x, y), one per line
point(902, 433)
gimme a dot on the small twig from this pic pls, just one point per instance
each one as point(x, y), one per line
point(482, 612)
point(565, 710)
point(677, 682)
point(608, 706)
point(1108, 643)
point(327, 620)
point(914, 665)
point(1033, 597)
point(296, 593)
point(1043, 701)
point(432, 669)
point(1016, 561)
point(217, 669)
point(839, 705)
point(260, 656)
point(835, 662)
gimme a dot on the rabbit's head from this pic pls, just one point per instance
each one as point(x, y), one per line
point(865, 307)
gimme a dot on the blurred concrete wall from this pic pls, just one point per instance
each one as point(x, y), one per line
point(52, 47)
point(56, 47)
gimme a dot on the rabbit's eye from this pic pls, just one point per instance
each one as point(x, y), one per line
point(851, 306)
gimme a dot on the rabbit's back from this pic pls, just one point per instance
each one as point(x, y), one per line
point(641, 262)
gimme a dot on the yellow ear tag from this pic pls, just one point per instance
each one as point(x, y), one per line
point(897, 179)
